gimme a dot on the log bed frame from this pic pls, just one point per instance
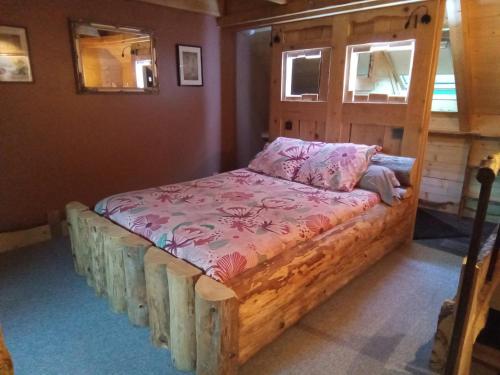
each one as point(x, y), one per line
point(214, 328)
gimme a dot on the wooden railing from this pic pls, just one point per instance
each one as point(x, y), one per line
point(473, 294)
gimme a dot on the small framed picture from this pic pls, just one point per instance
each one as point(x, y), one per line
point(15, 65)
point(189, 65)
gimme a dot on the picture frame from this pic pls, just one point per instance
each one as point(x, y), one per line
point(189, 65)
point(15, 62)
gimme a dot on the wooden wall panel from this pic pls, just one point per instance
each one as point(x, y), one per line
point(443, 173)
point(400, 128)
point(484, 39)
point(390, 138)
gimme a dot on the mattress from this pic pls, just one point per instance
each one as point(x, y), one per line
point(231, 222)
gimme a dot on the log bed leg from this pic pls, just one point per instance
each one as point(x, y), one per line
point(134, 251)
point(157, 296)
point(86, 242)
point(216, 328)
point(182, 278)
point(72, 211)
point(115, 273)
point(97, 260)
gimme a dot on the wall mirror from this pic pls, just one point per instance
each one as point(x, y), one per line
point(379, 72)
point(113, 59)
point(305, 74)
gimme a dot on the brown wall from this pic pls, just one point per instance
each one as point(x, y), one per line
point(57, 146)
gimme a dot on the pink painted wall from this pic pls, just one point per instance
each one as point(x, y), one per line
point(57, 145)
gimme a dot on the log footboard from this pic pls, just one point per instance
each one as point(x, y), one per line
point(72, 211)
point(113, 238)
point(134, 250)
point(216, 328)
point(211, 327)
point(112, 260)
point(155, 265)
point(170, 293)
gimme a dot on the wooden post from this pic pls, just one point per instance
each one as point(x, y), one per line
point(72, 211)
point(97, 260)
point(6, 366)
point(457, 361)
point(157, 295)
point(134, 251)
point(115, 273)
point(85, 242)
point(216, 328)
point(182, 278)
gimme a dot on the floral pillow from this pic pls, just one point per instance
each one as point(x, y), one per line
point(337, 166)
point(284, 157)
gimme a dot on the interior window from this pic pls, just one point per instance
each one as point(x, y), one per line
point(379, 72)
point(305, 74)
point(445, 93)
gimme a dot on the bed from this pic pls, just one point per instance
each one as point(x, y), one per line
point(220, 266)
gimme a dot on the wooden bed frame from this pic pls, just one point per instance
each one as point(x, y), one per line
point(214, 327)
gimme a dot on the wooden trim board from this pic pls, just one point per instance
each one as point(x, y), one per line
point(22, 238)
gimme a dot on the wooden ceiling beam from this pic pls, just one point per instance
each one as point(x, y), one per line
point(210, 7)
point(280, 2)
point(242, 14)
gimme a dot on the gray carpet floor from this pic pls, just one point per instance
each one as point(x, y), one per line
point(381, 323)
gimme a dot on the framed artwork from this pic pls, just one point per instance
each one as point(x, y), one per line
point(189, 66)
point(15, 63)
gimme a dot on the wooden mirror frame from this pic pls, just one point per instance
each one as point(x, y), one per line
point(80, 82)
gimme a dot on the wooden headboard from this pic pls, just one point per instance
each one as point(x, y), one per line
point(402, 167)
point(389, 137)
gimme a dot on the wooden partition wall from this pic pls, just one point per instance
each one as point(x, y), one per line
point(400, 128)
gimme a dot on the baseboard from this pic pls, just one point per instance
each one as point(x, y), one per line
point(22, 238)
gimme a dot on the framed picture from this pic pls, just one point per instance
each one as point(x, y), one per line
point(15, 63)
point(189, 66)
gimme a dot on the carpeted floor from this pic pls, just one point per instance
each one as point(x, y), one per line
point(381, 323)
point(446, 232)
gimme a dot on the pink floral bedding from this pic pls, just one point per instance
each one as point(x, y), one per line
point(233, 221)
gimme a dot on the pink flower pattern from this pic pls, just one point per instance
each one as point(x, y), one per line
point(284, 157)
point(336, 166)
point(228, 223)
point(147, 224)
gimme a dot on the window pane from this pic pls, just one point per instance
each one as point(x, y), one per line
point(305, 74)
point(445, 93)
point(379, 72)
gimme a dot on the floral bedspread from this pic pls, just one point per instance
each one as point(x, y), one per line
point(227, 223)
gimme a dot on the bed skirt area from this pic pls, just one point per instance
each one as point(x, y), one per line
point(212, 327)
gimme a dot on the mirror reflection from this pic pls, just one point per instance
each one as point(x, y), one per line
point(114, 59)
point(305, 74)
point(380, 72)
